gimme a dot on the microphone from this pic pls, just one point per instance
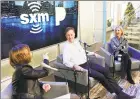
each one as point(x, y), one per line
point(84, 43)
point(47, 66)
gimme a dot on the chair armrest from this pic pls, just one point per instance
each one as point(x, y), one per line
point(98, 59)
point(57, 89)
point(60, 65)
point(7, 92)
point(135, 53)
point(108, 57)
point(82, 77)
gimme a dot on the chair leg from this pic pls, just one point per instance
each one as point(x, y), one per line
point(113, 68)
point(113, 72)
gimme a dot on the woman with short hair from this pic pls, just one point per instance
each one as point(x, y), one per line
point(25, 84)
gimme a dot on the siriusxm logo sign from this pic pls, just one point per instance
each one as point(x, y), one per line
point(35, 17)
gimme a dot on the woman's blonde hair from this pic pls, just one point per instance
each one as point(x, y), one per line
point(20, 55)
point(119, 27)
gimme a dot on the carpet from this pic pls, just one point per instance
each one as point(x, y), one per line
point(99, 91)
point(133, 90)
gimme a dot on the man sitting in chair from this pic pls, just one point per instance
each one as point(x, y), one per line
point(74, 57)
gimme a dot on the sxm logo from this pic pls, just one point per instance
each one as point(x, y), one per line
point(35, 17)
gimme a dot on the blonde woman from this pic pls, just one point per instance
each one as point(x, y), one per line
point(25, 84)
point(120, 46)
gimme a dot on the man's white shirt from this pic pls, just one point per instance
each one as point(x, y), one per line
point(73, 54)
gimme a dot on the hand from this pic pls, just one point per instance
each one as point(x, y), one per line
point(45, 56)
point(46, 87)
point(76, 67)
point(95, 54)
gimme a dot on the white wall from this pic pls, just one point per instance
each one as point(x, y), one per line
point(91, 21)
point(108, 9)
point(86, 18)
point(116, 12)
point(98, 21)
